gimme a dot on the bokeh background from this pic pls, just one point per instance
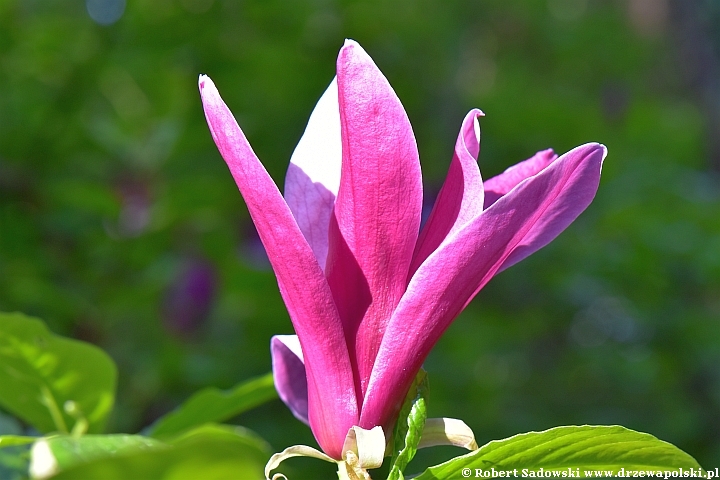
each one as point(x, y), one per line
point(120, 224)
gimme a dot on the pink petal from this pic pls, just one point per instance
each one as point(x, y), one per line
point(461, 197)
point(501, 184)
point(527, 217)
point(289, 374)
point(331, 391)
point(313, 177)
point(377, 210)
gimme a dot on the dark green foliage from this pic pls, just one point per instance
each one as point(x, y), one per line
point(54, 384)
point(112, 193)
point(212, 405)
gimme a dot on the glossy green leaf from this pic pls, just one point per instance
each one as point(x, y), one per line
point(211, 452)
point(578, 448)
point(409, 427)
point(213, 405)
point(53, 454)
point(14, 440)
point(53, 383)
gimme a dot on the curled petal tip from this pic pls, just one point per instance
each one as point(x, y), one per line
point(596, 146)
point(353, 52)
point(475, 113)
point(476, 125)
point(201, 81)
point(208, 91)
point(596, 149)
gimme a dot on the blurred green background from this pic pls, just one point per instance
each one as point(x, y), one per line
point(120, 224)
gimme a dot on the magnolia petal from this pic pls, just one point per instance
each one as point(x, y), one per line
point(364, 448)
point(294, 451)
point(377, 210)
point(501, 184)
point(447, 431)
point(332, 403)
point(461, 197)
point(559, 214)
point(289, 374)
point(313, 177)
point(526, 218)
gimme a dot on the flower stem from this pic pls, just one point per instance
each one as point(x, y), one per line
point(52, 406)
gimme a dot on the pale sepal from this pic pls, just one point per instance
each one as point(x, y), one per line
point(364, 449)
point(294, 451)
point(447, 431)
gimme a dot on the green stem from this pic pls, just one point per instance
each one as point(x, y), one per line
point(54, 410)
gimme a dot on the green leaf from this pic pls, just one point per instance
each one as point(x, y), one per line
point(212, 452)
point(42, 374)
point(409, 426)
point(601, 448)
point(213, 405)
point(14, 462)
point(14, 440)
point(14, 449)
point(53, 454)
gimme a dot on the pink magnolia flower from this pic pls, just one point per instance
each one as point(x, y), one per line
point(368, 293)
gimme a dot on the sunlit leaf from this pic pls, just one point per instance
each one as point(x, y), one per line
point(14, 440)
point(212, 452)
point(578, 448)
point(213, 405)
point(53, 454)
point(53, 383)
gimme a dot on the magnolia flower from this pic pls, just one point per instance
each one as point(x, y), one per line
point(368, 293)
